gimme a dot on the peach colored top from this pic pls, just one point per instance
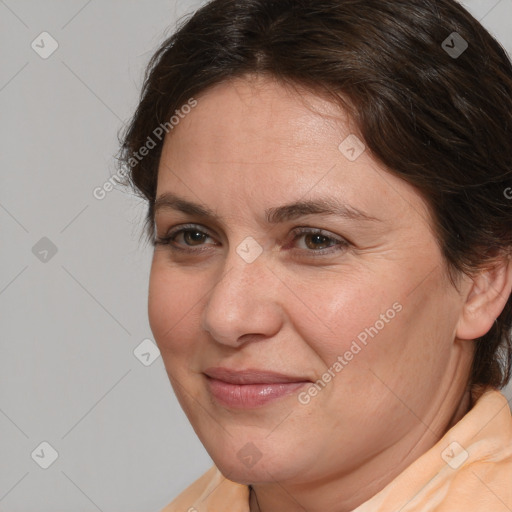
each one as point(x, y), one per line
point(468, 470)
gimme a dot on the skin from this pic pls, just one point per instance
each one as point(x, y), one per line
point(252, 144)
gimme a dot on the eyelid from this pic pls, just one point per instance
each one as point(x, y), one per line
point(303, 230)
point(188, 227)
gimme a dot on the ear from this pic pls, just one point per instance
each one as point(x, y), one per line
point(485, 298)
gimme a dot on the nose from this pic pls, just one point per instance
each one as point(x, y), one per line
point(243, 304)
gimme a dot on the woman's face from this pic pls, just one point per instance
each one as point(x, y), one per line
point(302, 262)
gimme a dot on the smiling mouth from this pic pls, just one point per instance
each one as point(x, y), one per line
point(250, 388)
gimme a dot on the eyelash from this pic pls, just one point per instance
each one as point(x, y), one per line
point(170, 238)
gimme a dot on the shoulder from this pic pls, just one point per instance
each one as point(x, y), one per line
point(209, 492)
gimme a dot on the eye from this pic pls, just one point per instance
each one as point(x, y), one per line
point(184, 238)
point(318, 241)
point(192, 237)
point(309, 241)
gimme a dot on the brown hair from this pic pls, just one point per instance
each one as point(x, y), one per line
point(437, 114)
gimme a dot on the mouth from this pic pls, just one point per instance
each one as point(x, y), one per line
point(245, 389)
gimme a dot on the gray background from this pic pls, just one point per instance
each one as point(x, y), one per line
point(70, 321)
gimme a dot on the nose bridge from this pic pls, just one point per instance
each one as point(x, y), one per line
point(243, 300)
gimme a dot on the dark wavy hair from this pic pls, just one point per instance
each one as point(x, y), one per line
point(435, 113)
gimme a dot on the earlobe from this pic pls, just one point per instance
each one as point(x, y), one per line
point(488, 294)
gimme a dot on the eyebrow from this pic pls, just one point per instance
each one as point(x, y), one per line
point(280, 214)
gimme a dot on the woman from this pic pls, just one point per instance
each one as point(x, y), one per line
point(331, 282)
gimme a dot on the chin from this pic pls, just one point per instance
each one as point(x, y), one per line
point(253, 464)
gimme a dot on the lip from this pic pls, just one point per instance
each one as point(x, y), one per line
point(244, 389)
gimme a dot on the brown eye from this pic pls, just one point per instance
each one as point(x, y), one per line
point(316, 241)
point(192, 237)
point(186, 238)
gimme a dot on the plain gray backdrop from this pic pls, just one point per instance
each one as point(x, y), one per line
point(77, 372)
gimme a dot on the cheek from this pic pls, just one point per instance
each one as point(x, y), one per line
point(374, 323)
point(172, 306)
point(388, 340)
point(335, 311)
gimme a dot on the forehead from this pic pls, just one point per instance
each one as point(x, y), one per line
point(256, 137)
point(267, 108)
point(255, 124)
